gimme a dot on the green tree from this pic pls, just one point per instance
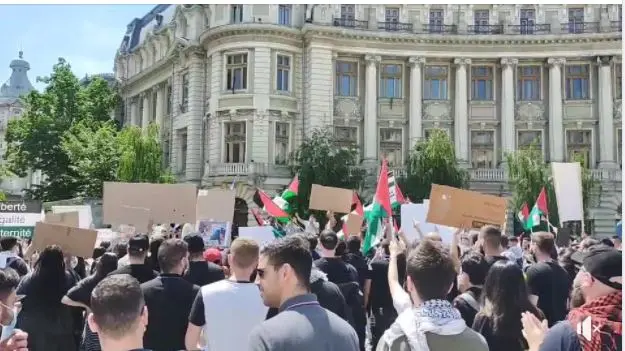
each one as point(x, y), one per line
point(35, 141)
point(432, 161)
point(320, 159)
point(141, 157)
point(528, 173)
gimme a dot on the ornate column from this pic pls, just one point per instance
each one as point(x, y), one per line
point(160, 106)
point(134, 111)
point(606, 114)
point(145, 113)
point(556, 129)
point(461, 113)
point(416, 100)
point(371, 108)
point(507, 104)
point(195, 116)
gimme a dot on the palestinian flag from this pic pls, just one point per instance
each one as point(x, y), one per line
point(523, 213)
point(258, 217)
point(399, 195)
point(272, 209)
point(538, 211)
point(291, 192)
point(380, 209)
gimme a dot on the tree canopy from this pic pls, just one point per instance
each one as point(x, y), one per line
point(141, 157)
point(432, 161)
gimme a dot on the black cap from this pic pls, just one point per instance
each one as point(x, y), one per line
point(604, 263)
point(195, 243)
point(139, 243)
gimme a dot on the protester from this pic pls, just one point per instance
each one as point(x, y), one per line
point(118, 313)
point(616, 240)
point(337, 270)
point(432, 323)
point(200, 271)
point(356, 259)
point(470, 282)
point(505, 298)
point(490, 240)
point(599, 286)
point(213, 255)
point(514, 252)
point(49, 323)
point(548, 282)
point(168, 299)
point(137, 252)
point(283, 276)
point(80, 296)
point(233, 305)
point(9, 256)
point(11, 339)
point(152, 260)
point(312, 242)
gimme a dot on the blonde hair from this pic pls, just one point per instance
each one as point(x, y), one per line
point(244, 252)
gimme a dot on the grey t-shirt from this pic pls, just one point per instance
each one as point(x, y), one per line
point(303, 325)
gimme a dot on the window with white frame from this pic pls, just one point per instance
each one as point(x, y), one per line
point(184, 106)
point(576, 20)
point(284, 14)
point(435, 82)
point(182, 161)
point(527, 21)
point(530, 138)
point(236, 13)
point(578, 82)
point(391, 81)
point(346, 137)
point(391, 145)
point(437, 20)
point(281, 145)
point(236, 71)
point(346, 78)
point(391, 14)
point(481, 20)
point(618, 81)
point(483, 148)
point(579, 145)
point(235, 139)
point(482, 83)
point(619, 146)
point(283, 73)
point(348, 12)
point(528, 83)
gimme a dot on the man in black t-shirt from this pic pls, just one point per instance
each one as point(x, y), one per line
point(547, 280)
point(338, 271)
point(470, 281)
point(137, 251)
point(200, 272)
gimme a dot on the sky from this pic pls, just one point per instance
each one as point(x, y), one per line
point(87, 36)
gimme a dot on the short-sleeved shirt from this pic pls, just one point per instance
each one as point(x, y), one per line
point(141, 272)
point(362, 268)
point(201, 273)
point(551, 283)
point(337, 270)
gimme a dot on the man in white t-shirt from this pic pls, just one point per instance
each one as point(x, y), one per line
point(227, 310)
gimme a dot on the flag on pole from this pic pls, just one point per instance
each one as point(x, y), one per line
point(524, 212)
point(291, 191)
point(538, 211)
point(233, 182)
point(381, 208)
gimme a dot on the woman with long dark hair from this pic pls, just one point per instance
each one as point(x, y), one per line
point(80, 296)
point(505, 297)
point(47, 321)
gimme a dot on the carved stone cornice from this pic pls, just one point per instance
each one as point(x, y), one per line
point(530, 111)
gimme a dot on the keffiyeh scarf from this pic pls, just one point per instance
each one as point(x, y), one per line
point(433, 316)
point(606, 316)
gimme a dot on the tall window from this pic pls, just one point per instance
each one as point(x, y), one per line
point(391, 145)
point(527, 21)
point(346, 78)
point(482, 83)
point(577, 82)
point(235, 142)
point(346, 136)
point(481, 20)
point(169, 99)
point(284, 15)
point(483, 149)
point(437, 21)
point(183, 152)
point(530, 138)
point(348, 12)
point(236, 13)
point(390, 81)
point(579, 145)
point(391, 14)
point(185, 93)
point(618, 81)
point(576, 20)
point(283, 73)
point(281, 146)
point(236, 72)
point(435, 83)
point(528, 83)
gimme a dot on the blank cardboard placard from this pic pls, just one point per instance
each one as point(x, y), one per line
point(85, 217)
point(70, 219)
point(262, 235)
point(327, 198)
point(168, 203)
point(353, 224)
point(74, 241)
point(138, 217)
point(458, 208)
point(567, 184)
point(215, 205)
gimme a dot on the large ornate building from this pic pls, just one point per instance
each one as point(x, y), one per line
point(15, 87)
point(235, 88)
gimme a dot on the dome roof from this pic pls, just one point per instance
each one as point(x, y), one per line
point(18, 84)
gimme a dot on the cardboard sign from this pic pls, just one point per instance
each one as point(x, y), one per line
point(457, 208)
point(85, 217)
point(262, 235)
point(138, 217)
point(215, 205)
point(353, 224)
point(168, 203)
point(74, 241)
point(70, 219)
point(327, 198)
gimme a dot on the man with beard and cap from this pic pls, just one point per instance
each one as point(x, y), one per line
point(595, 322)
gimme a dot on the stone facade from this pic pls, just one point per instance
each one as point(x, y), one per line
point(235, 88)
